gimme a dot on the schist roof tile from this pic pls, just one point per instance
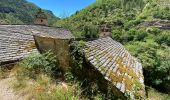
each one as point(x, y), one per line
point(116, 64)
point(16, 41)
point(37, 30)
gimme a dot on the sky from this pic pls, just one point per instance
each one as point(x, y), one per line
point(62, 7)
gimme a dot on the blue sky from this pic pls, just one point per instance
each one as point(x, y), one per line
point(58, 7)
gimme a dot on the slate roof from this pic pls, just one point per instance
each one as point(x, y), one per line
point(116, 64)
point(16, 41)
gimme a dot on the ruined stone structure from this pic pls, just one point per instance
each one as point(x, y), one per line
point(41, 18)
point(59, 46)
point(108, 57)
point(105, 30)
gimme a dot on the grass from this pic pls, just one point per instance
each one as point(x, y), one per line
point(4, 72)
point(32, 82)
point(155, 95)
point(44, 87)
point(47, 88)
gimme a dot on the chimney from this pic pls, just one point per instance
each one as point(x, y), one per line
point(41, 18)
point(105, 30)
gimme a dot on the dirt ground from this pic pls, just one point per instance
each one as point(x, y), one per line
point(6, 92)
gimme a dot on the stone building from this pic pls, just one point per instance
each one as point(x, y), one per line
point(59, 45)
point(41, 18)
point(107, 62)
point(108, 58)
point(105, 30)
point(17, 41)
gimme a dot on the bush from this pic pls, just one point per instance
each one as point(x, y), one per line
point(133, 35)
point(162, 71)
point(140, 35)
point(156, 63)
point(132, 23)
point(153, 30)
point(163, 38)
point(162, 13)
point(37, 63)
point(90, 31)
point(116, 34)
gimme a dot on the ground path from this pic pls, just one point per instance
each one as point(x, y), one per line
point(6, 91)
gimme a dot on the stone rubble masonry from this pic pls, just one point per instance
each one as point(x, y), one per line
point(60, 48)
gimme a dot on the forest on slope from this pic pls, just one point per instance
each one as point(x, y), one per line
point(21, 12)
point(150, 45)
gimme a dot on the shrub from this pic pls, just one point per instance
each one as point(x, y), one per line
point(132, 23)
point(77, 54)
point(153, 30)
point(156, 63)
point(164, 38)
point(90, 31)
point(37, 63)
point(162, 13)
point(162, 71)
point(140, 35)
point(116, 34)
point(133, 35)
point(127, 37)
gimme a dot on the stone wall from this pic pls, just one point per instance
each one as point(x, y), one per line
point(60, 47)
point(41, 21)
point(89, 75)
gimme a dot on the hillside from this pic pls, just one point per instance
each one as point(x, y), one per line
point(112, 11)
point(148, 43)
point(120, 13)
point(20, 12)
